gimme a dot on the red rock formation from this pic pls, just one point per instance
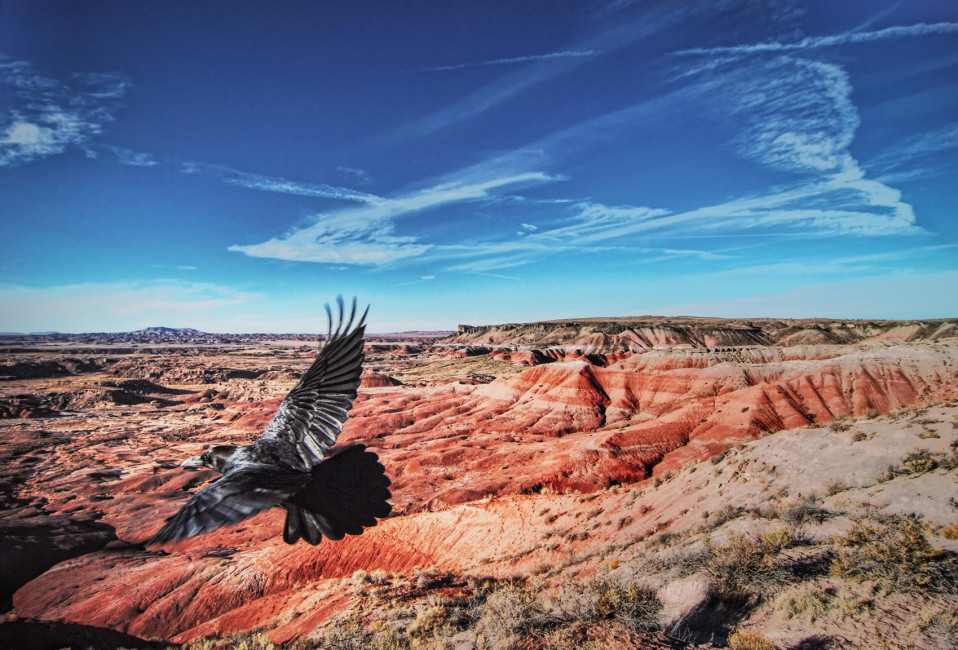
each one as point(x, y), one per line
point(378, 380)
point(472, 464)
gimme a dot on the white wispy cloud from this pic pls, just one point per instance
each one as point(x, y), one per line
point(845, 38)
point(132, 158)
point(238, 178)
point(422, 279)
point(564, 54)
point(621, 34)
point(43, 116)
point(491, 264)
point(849, 205)
point(881, 15)
point(788, 114)
point(797, 116)
point(275, 184)
point(792, 114)
point(594, 229)
point(366, 235)
point(905, 152)
point(657, 255)
point(811, 265)
point(361, 176)
point(845, 204)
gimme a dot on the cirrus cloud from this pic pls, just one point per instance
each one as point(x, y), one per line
point(44, 116)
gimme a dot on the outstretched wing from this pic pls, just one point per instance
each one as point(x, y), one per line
point(235, 496)
point(310, 418)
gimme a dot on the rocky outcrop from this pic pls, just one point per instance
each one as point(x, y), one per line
point(49, 368)
point(629, 335)
point(378, 380)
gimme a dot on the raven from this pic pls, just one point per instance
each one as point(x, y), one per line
point(291, 465)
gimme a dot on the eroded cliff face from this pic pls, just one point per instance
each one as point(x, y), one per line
point(637, 334)
point(477, 446)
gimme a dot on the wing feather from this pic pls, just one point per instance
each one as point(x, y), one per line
point(312, 415)
point(235, 496)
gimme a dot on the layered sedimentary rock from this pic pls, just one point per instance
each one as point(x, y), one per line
point(475, 454)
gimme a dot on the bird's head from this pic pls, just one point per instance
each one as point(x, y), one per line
point(214, 458)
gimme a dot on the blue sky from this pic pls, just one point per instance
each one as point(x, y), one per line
point(231, 166)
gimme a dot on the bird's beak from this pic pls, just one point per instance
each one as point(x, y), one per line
point(196, 462)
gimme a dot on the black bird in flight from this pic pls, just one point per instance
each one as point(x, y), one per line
point(324, 493)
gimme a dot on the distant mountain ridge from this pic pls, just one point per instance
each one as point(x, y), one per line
point(167, 330)
point(189, 335)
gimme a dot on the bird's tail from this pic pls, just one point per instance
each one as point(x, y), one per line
point(348, 492)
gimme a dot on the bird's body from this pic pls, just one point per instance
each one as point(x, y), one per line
point(291, 465)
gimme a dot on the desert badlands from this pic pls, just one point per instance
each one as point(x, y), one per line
point(617, 483)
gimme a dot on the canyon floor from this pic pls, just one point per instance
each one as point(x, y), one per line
point(607, 483)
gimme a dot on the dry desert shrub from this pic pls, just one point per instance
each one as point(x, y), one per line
point(633, 605)
point(891, 551)
point(806, 600)
point(360, 577)
point(345, 634)
point(349, 634)
point(919, 462)
point(253, 641)
point(889, 474)
point(200, 644)
point(949, 532)
point(715, 460)
point(517, 611)
point(835, 486)
point(508, 614)
point(356, 638)
point(749, 640)
point(777, 539)
point(359, 580)
point(726, 514)
point(950, 461)
point(428, 621)
point(804, 510)
point(379, 577)
point(744, 566)
point(840, 424)
point(813, 600)
point(424, 577)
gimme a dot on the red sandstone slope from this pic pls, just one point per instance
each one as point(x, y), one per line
point(552, 428)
